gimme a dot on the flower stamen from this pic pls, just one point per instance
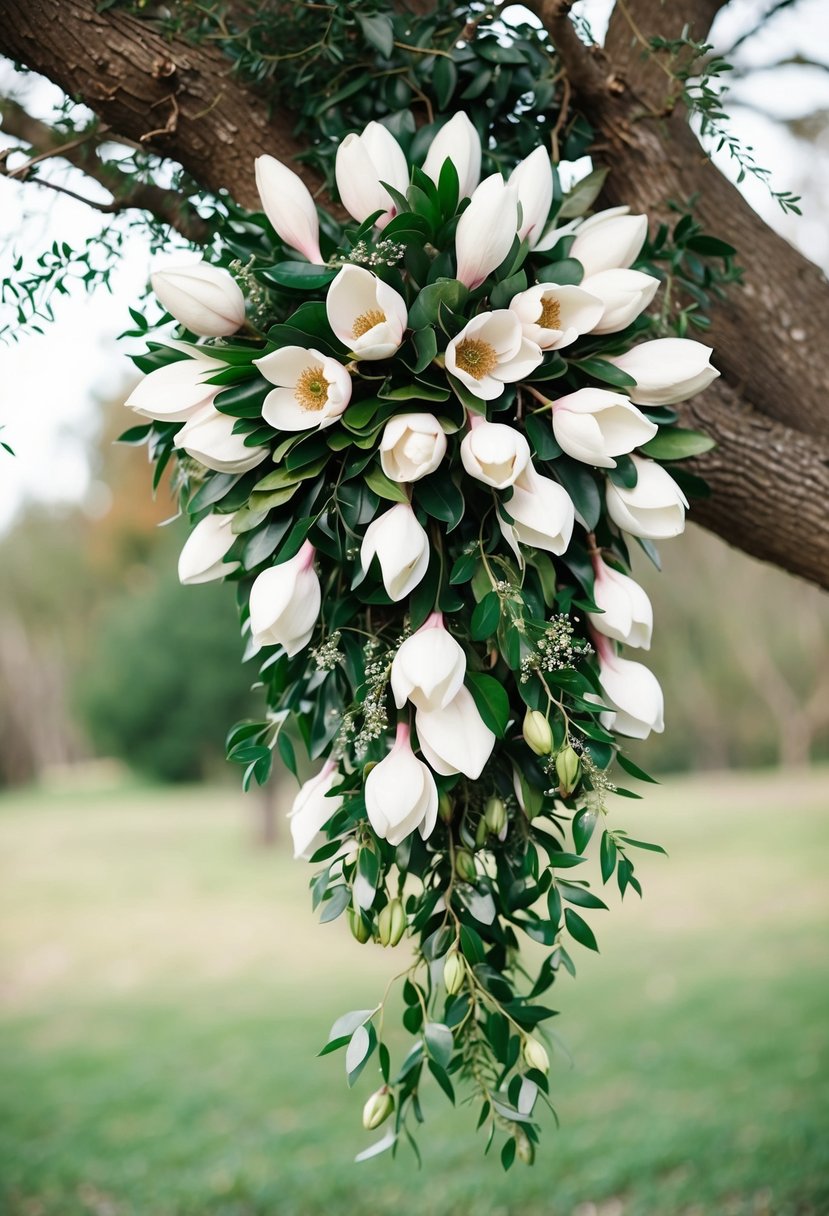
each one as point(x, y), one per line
point(476, 357)
point(550, 315)
point(367, 321)
point(311, 389)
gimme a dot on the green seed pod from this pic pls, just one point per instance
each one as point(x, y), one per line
point(481, 833)
point(495, 814)
point(391, 923)
point(454, 972)
point(537, 733)
point(465, 866)
point(358, 926)
point(378, 1108)
point(568, 770)
point(446, 807)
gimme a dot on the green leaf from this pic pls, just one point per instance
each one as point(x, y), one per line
point(710, 246)
point(607, 856)
point(579, 895)
point(442, 1079)
point(340, 897)
point(378, 32)
point(566, 272)
point(540, 433)
point(426, 308)
point(579, 930)
point(426, 347)
point(492, 701)
point(580, 483)
point(583, 824)
point(676, 443)
point(300, 275)
point(600, 369)
point(444, 81)
point(441, 498)
point(634, 770)
point(439, 1042)
point(382, 485)
point(645, 844)
point(360, 1046)
point(583, 195)
point(485, 617)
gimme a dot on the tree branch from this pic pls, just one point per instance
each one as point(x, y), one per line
point(169, 206)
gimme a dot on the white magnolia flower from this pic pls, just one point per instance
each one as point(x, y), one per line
point(412, 446)
point(401, 794)
point(609, 240)
point(458, 141)
point(542, 511)
point(486, 230)
point(429, 667)
point(494, 453)
point(533, 179)
point(491, 351)
point(594, 425)
point(363, 163)
point(367, 315)
point(285, 602)
point(204, 299)
point(633, 692)
point(553, 235)
point(202, 558)
point(176, 391)
point(311, 810)
point(552, 316)
point(208, 437)
point(454, 738)
point(627, 615)
point(624, 294)
point(313, 389)
point(654, 508)
point(288, 204)
point(667, 370)
point(401, 546)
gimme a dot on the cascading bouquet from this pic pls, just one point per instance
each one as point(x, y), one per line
point(410, 462)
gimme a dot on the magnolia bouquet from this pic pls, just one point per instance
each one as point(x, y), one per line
point(419, 445)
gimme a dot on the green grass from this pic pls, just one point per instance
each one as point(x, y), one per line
point(166, 987)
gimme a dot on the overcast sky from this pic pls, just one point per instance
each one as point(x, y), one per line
point(51, 384)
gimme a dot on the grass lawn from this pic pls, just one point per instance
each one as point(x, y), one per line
point(165, 988)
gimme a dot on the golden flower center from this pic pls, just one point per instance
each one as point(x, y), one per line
point(311, 389)
point(550, 315)
point(476, 357)
point(367, 321)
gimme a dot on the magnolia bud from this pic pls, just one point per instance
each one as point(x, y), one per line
point(537, 733)
point(524, 1147)
point(495, 814)
point(358, 926)
point(465, 866)
point(535, 1054)
point(446, 807)
point(391, 923)
point(454, 971)
point(378, 1108)
point(568, 769)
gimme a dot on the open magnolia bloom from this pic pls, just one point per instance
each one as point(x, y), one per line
point(406, 452)
point(594, 425)
point(313, 389)
point(367, 315)
point(401, 795)
point(553, 316)
point(491, 351)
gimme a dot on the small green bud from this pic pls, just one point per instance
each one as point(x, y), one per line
point(537, 733)
point(535, 1054)
point(358, 926)
point(495, 814)
point(391, 923)
point(378, 1108)
point(524, 1147)
point(465, 866)
point(454, 972)
point(481, 832)
point(446, 807)
point(568, 770)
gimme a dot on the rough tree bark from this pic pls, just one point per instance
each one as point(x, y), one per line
point(768, 413)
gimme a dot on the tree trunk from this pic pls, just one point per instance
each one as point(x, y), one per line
point(768, 412)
